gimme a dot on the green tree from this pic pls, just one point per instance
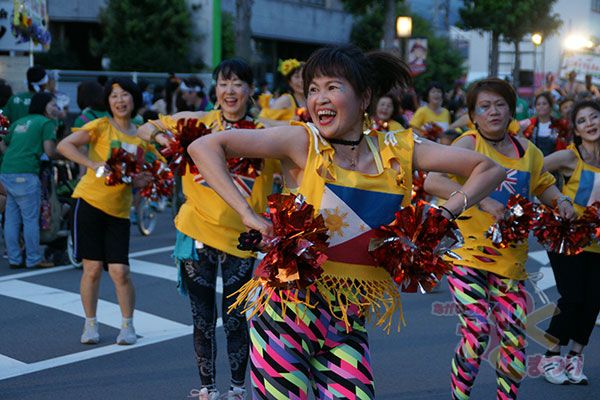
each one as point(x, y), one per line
point(149, 35)
point(486, 15)
point(376, 19)
point(227, 36)
point(444, 63)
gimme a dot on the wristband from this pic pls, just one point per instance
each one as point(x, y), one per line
point(465, 199)
point(453, 217)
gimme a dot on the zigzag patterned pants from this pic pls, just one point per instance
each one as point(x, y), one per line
point(478, 293)
point(309, 348)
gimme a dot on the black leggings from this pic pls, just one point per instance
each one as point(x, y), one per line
point(200, 278)
point(577, 280)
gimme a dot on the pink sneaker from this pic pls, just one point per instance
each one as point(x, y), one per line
point(553, 369)
point(574, 370)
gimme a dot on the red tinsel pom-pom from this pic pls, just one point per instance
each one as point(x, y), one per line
point(432, 131)
point(411, 248)
point(418, 190)
point(563, 129)
point(296, 251)
point(4, 124)
point(303, 115)
point(568, 237)
point(186, 131)
point(515, 225)
point(162, 181)
point(122, 166)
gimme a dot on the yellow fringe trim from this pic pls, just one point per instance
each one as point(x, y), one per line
point(378, 299)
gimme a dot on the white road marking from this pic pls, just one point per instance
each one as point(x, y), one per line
point(108, 313)
point(35, 272)
point(151, 251)
point(162, 271)
point(548, 280)
point(540, 256)
point(9, 363)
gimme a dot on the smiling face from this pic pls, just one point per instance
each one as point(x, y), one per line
point(120, 102)
point(491, 114)
point(385, 109)
point(587, 124)
point(542, 107)
point(232, 95)
point(52, 111)
point(435, 97)
point(335, 107)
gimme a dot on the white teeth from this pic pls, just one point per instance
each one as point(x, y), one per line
point(326, 112)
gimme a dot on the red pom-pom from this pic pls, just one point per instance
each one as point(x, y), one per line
point(186, 132)
point(122, 166)
point(563, 129)
point(412, 247)
point(568, 237)
point(297, 250)
point(432, 131)
point(515, 225)
point(303, 115)
point(162, 181)
point(418, 191)
point(4, 124)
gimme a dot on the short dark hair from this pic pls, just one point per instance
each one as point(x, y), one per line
point(580, 106)
point(432, 85)
point(90, 94)
point(39, 101)
point(547, 96)
point(375, 72)
point(493, 85)
point(234, 66)
point(127, 85)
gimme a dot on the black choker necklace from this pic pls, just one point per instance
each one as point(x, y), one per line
point(492, 140)
point(344, 142)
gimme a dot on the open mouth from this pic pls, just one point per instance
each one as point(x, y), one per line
point(326, 117)
point(230, 102)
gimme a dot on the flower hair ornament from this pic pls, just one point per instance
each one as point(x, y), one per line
point(287, 66)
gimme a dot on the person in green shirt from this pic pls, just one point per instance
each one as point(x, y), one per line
point(27, 140)
point(522, 110)
point(18, 105)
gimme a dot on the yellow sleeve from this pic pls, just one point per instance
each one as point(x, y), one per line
point(418, 119)
point(94, 128)
point(281, 114)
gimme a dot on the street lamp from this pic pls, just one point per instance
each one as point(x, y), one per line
point(403, 31)
point(536, 39)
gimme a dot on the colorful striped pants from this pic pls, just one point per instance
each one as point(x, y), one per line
point(309, 348)
point(478, 293)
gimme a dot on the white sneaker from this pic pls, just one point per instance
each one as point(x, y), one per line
point(127, 335)
point(237, 393)
point(90, 333)
point(553, 369)
point(206, 395)
point(574, 370)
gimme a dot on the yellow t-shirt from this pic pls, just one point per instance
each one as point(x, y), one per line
point(425, 115)
point(113, 200)
point(280, 114)
point(583, 187)
point(206, 217)
point(353, 205)
point(524, 177)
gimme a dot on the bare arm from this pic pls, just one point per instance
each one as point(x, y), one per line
point(50, 149)
point(552, 197)
point(69, 148)
point(484, 175)
point(210, 153)
point(152, 130)
point(563, 161)
point(281, 103)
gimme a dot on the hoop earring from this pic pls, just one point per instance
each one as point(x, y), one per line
point(216, 106)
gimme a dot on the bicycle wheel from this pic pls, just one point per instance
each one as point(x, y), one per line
point(146, 214)
point(71, 252)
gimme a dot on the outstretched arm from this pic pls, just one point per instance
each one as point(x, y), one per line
point(210, 153)
point(484, 175)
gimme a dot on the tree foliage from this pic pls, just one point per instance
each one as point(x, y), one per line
point(149, 35)
point(227, 36)
point(444, 63)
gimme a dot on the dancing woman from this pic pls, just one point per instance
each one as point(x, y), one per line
point(343, 172)
point(490, 280)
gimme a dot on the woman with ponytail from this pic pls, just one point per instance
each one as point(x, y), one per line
point(342, 169)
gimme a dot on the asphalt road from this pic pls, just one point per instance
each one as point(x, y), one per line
point(41, 321)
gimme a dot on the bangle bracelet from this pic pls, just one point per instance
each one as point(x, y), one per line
point(449, 212)
point(564, 198)
point(465, 199)
point(154, 134)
